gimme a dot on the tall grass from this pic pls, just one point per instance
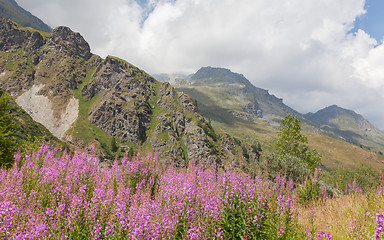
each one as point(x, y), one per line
point(50, 194)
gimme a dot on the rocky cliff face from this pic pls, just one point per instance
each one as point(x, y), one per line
point(11, 37)
point(123, 110)
point(83, 98)
point(135, 108)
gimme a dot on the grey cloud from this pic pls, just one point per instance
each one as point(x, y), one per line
point(300, 50)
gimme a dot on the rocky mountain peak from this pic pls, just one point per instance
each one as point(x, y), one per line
point(209, 71)
point(64, 40)
point(235, 91)
point(328, 114)
point(220, 75)
point(348, 124)
point(117, 73)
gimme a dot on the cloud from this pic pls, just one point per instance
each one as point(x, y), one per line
point(301, 50)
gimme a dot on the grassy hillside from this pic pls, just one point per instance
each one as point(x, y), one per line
point(349, 126)
point(218, 101)
point(9, 9)
point(336, 154)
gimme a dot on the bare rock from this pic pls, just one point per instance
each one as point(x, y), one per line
point(253, 108)
point(11, 37)
point(65, 41)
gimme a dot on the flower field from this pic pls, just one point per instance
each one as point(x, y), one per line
point(51, 194)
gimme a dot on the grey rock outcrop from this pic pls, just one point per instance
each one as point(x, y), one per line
point(67, 42)
point(253, 108)
point(12, 38)
point(124, 110)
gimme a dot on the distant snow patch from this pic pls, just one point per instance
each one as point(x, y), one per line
point(41, 110)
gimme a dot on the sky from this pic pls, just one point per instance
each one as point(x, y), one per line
point(311, 53)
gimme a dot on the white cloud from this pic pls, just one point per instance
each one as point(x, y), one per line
point(301, 50)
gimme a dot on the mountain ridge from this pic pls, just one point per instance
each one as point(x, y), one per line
point(257, 102)
point(218, 86)
point(95, 100)
point(324, 115)
point(348, 124)
point(10, 9)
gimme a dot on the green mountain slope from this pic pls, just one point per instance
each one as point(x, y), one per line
point(237, 107)
point(235, 93)
point(84, 99)
point(349, 126)
point(9, 9)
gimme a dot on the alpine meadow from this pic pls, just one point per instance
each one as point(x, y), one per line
point(93, 147)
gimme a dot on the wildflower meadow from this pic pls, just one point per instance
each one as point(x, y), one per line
point(53, 194)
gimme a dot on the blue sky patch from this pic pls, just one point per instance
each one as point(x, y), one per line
point(373, 21)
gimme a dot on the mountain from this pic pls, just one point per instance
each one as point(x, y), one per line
point(9, 9)
point(232, 93)
point(84, 99)
point(247, 112)
point(347, 125)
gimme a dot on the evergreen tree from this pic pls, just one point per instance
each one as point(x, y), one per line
point(8, 144)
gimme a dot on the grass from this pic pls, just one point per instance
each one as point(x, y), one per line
point(185, 151)
point(12, 60)
point(337, 154)
point(45, 35)
point(346, 217)
point(156, 110)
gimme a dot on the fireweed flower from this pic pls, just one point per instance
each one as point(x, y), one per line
point(56, 195)
point(380, 225)
point(325, 236)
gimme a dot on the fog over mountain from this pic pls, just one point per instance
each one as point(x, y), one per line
point(307, 52)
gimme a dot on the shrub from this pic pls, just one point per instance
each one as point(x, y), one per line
point(288, 166)
point(8, 144)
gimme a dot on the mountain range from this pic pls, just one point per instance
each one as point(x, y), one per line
point(222, 93)
point(212, 117)
point(347, 125)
